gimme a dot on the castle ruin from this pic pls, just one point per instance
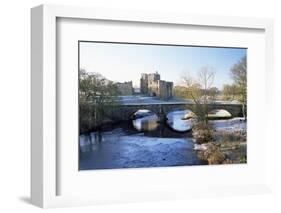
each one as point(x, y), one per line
point(152, 85)
point(125, 88)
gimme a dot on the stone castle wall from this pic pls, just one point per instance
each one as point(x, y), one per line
point(125, 88)
point(151, 84)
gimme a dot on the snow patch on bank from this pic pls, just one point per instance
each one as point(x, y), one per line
point(237, 124)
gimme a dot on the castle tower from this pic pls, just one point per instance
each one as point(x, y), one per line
point(144, 83)
point(152, 85)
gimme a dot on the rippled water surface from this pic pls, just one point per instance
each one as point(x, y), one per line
point(146, 142)
point(143, 143)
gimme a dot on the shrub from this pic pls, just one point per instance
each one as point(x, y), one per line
point(212, 154)
point(202, 132)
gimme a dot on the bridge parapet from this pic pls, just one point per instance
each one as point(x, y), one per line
point(124, 112)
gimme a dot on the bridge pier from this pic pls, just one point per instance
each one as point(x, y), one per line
point(161, 118)
point(161, 115)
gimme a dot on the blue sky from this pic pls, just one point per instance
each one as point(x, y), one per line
point(125, 62)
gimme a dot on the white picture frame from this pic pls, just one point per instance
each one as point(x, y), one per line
point(44, 150)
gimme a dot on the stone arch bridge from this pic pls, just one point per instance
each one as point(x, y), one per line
point(124, 112)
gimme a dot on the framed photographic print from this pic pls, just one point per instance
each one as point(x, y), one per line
point(147, 106)
point(133, 119)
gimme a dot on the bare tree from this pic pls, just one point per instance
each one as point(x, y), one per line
point(230, 92)
point(188, 80)
point(191, 88)
point(213, 93)
point(199, 89)
point(239, 75)
point(206, 76)
point(96, 99)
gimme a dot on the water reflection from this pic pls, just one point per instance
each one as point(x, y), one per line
point(145, 120)
point(146, 143)
point(180, 120)
point(120, 148)
point(90, 142)
point(219, 114)
point(149, 143)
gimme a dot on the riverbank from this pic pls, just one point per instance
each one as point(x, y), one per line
point(228, 144)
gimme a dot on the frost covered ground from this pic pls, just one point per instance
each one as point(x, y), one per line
point(237, 124)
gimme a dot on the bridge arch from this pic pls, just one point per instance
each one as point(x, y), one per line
point(144, 120)
point(134, 113)
point(181, 109)
point(219, 114)
point(180, 119)
point(123, 112)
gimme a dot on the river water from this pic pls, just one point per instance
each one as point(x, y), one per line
point(144, 142)
point(141, 143)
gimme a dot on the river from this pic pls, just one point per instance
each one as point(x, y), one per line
point(141, 143)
